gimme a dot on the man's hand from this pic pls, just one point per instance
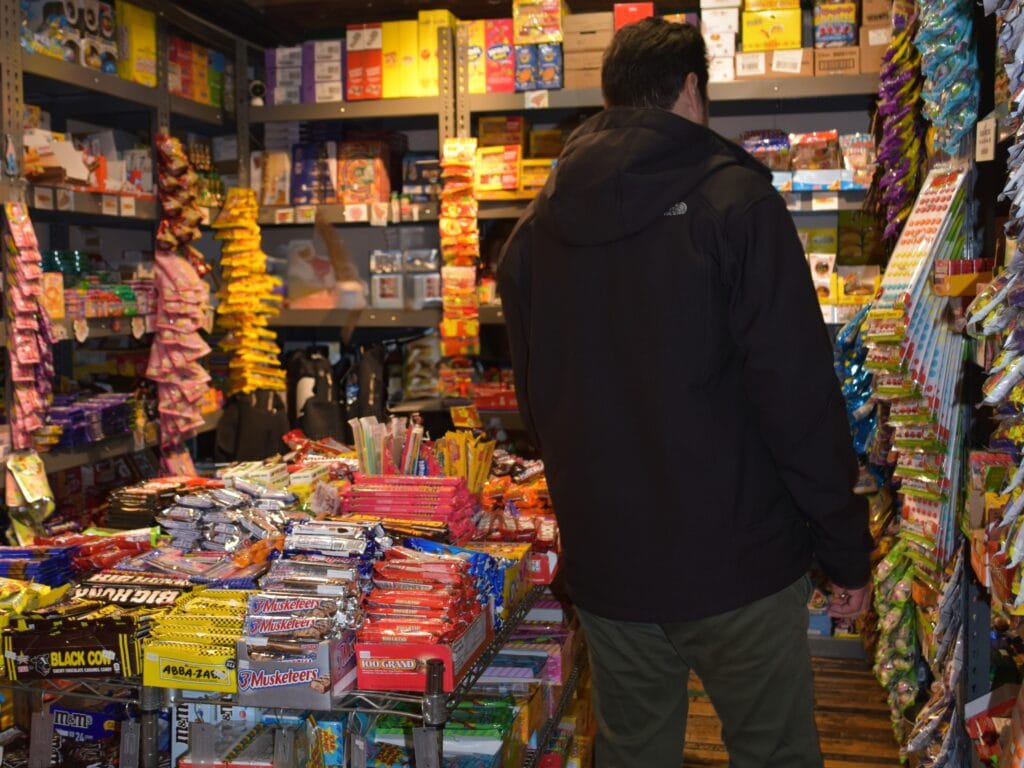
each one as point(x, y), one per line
point(849, 603)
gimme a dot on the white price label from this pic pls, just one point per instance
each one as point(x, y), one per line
point(284, 216)
point(357, 213)
point(138, 327)
point(61, 332)
point(128, 206)
point(81, 329)
point(750, 65)
point(65, 200)
point(877, 37)
point(788, 62)
point(109, 205)
point(42, 198)
point(824, 201)
point(536, 99)
point(205, 217)
point(985, 145)
point(379, 214)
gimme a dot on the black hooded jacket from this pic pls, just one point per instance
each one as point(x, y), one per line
point(672, 365)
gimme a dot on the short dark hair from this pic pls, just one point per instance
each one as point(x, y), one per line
point(648, 62)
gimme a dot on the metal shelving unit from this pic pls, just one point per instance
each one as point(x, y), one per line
point(200, 113)
point(110, 88)
point(547, 733)
point(839, 87)
point(349, 110)
point(365, 318)
point(80, 206)
point(304, 215)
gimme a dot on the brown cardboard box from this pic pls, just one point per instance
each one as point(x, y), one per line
point(874, 42)
point(766, 65)
point(587, 41)
point(837, 61)
point(583, 78)
point(584, 59)
point(875, 13)
point(588, 22)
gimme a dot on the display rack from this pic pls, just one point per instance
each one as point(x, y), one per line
point(435, 706)
point(305, 215)
point(363, 318)
point(547, 733)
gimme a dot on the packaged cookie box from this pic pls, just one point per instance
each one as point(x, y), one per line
point(314, 679)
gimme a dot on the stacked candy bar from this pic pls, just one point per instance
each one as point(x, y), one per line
point(30, 339)
point(248, 299)
point(183, 300)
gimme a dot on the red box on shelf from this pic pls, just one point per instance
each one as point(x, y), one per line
point(543, 567)
point(403, 666)
point(630, 13)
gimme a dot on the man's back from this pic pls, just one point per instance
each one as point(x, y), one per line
point(673, 367)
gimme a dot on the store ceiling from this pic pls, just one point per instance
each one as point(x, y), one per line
point(283, 22)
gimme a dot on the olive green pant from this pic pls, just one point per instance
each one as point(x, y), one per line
point(755, 665)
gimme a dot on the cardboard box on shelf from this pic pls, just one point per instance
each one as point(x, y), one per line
point(709, 4)
point(722, 70)
point(875, 13)
point(720, 44)
point(363, 64)
point(136, 37)
point(772, 30)
point(549, 66)
point(773, 64)
point(588, 40)
point(500, 130)
point(584, 59)
point(315, 679)
point(874, 42)
point(582, 78)
point(428, 24)
point(536, 21)
point(393, 86)
point(526, 68)
point(476, 60)
point(498, 56)
point(770, 5)
point(835, 25)
point(724, 21)
point(588, 22)
point(628, 13)
point(837, 61)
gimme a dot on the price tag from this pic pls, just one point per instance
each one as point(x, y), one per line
point(40, 743)
point(128, 206)
point(61, 332)
point(65, 200)
point(877, 37)
point(824, 201)
point(305, 214)
point(985, 145)
point(205, 216)
point(130, 738)
point(379, 214)
point(138, 327)
point(284, 215)
point(536, 99)
point(357, 213)
point(752, 65)
point(357, 747)
point(788, 62)
point(81, 330)
point(42, 198)
point(109, 206)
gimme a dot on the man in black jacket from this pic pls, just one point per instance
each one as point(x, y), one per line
point(673, 368)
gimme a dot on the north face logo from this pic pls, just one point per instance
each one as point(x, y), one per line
point(676, 210)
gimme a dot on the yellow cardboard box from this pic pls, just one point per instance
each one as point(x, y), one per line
point(136, 36)
point(429, 23)
point(390, 42)
point(476, 54)
point(771, 30)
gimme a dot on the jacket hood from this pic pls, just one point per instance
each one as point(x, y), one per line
point(625, 167)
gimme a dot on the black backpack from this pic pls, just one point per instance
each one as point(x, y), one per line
point(313, 404)
point(252, 427)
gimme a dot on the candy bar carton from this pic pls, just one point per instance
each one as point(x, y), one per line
point(403, 666)
point(315, 679)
